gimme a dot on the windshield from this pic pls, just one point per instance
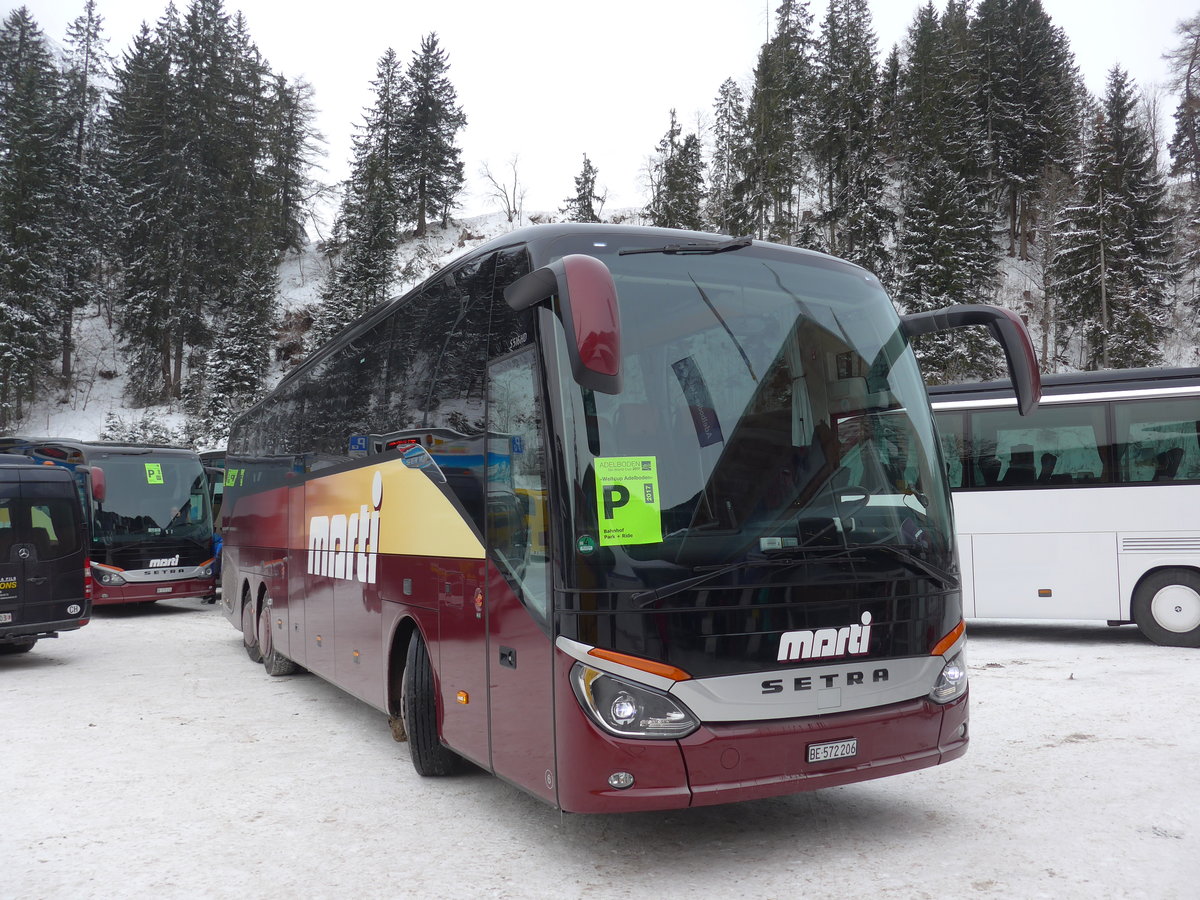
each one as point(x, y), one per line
point(770, 408)
point(152, 499)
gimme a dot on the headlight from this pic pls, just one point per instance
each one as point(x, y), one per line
point(630, 710)
point(107, 577)
point(206, 571)
point(952, 682)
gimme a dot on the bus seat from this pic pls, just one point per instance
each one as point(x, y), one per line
point(1020, 466)
point(1046, 476)
point(990, 469)
point(1167, 464)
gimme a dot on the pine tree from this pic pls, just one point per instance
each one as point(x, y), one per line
point(30, 173)
point(292, 148)
point(87, 194)
point(1185, 149)
point(368, 226)
point(677, 181)
point(1028, 98)
point(1114, 273)
point(586, 204)
point(147, 165)
point(432, 171)
point(772, 158)
point(946, 256)
point(854, 217)
point(724, 210)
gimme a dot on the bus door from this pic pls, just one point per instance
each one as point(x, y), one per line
point(519, 650)
point(41, 555)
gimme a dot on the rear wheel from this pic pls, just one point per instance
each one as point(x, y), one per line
point(272, 660)
point(1166, 607)
point(12, 648)
point(419, 710)
point(250, 629)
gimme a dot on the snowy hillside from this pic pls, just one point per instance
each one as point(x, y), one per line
point(97, 399)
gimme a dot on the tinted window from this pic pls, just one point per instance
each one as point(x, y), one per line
point(1057, 445)
point(1157, 440)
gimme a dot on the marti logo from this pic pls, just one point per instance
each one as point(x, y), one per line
point(345, 546)
point(165, 561)
point(826, 643)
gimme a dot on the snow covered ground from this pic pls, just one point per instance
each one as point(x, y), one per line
point(145, 756)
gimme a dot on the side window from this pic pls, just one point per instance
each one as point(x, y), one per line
point(53, 528)
point(1056, 446)
point(433, 381)
point(510, 330)
point(516, 481)
point(1157, 440)
point(954, 445)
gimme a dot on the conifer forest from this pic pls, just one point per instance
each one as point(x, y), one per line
point(160, 186)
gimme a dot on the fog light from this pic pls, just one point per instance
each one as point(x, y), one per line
point(621, 780)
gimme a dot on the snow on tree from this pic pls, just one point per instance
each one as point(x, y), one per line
point(585, 205)
point(432, 170)
point(677, 181)
point(1115, 272)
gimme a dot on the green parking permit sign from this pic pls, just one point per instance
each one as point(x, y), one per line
point(627, 500)
point(154, 473)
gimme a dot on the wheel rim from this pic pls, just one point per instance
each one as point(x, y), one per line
point(1176, 608)
point(264, 631)
point(248, 629)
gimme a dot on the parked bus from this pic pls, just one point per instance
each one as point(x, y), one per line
point(1086, 509)
point(708, 586)
point(151, 528)
point(45, 584)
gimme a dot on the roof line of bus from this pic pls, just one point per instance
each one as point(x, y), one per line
point(1070, 386)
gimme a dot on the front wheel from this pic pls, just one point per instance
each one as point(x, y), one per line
point(1166, 607)
point(12, 648)
point(418, 703)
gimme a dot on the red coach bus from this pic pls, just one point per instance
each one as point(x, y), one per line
point(632, 518)
point(148, 511)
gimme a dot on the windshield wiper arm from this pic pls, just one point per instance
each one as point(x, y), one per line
point(913, 562)
point(692, 247)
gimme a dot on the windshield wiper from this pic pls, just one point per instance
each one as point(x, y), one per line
point(677, 587)
point(692, 247)
point(913, 562)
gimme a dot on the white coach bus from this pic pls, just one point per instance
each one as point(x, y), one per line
point(1087, 509)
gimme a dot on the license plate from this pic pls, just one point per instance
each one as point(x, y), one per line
point(832, 750)
point(5, 617)
point(166, 590)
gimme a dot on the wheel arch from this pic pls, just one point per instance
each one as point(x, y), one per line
point(398, 658)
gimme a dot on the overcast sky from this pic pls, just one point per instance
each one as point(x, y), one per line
point(547, 81)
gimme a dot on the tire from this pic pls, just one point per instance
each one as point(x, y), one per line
point(1166, 607)
point(12, 648)
point(250, 629)
point(418, 702)
point(273, 661)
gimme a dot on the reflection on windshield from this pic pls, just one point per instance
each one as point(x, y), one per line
point(152, 500)
point(769, 406)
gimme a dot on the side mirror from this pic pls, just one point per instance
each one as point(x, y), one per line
point(417, 457)
point(588, 299)
point(98, 489)
point(1008, 330)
